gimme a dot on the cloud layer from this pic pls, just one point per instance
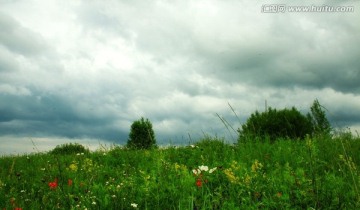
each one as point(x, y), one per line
point(88, 69)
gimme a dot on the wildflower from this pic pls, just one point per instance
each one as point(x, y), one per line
point(212, 170)
point(70, 182)
point(203, 168)
point(54, 184)
point(247, 180)
point(134, 205)
point(198, 182)
point(73, 167)
point(196, 171)
point(177, 166)
point(17, 208)
point(231, 176)
point(93, 203)
point(256, 166)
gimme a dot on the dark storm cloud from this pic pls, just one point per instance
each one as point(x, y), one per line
point(43, 115)
point(309, 52)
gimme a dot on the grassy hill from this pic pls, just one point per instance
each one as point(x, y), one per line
point(316, 173)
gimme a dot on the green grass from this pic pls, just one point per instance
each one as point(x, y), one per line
point(311, 174)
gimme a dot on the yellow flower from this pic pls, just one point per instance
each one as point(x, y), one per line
point(88, 165)
point(256, 166)
point(180, 167)
point(247, 180)
point(177, 166)
point(231, 176)
point(235, 165)
point(73, 167)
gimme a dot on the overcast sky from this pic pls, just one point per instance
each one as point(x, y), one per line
point(74, 70)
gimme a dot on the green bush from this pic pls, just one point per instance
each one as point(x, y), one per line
point(141, 135)
point(287, 123)
point(274, 124)
point(67, 149)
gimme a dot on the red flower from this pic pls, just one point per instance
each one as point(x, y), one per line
point(70, 182)
point(54, 184)
point(198, 182)
point(18, 208)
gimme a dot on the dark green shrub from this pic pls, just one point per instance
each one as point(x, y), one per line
point(67, 149)
point(141, 135)
point(274, 124)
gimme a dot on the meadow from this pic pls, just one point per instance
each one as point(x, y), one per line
point(315, 173)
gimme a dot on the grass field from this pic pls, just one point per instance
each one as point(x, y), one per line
point(316, 173)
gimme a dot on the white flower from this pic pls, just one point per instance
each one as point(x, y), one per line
point(212, 170)
point(203, 168)
point(134, 205)
point(93, 203)
point(196, 171)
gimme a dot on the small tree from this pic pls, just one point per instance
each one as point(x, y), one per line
point(320, 124)
point(141, 135)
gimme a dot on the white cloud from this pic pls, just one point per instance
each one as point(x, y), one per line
point(8, 89)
